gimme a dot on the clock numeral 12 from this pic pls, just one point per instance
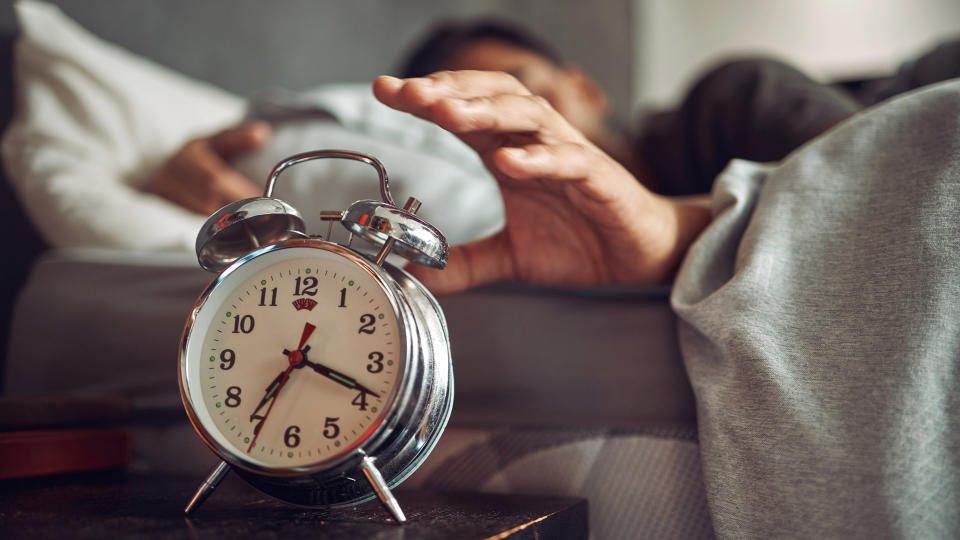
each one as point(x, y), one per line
point(308, 284)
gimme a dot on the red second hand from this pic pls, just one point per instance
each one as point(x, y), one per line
point(295, 358)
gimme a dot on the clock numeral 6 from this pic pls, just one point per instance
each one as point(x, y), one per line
point(377, 365)
point(233, 397)
point(366, 324)
point(243, 324)
point(227, 359)
point(330, 428)
point(291, 436)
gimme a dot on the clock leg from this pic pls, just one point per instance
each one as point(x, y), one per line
point(381, 488)
point(207, 487)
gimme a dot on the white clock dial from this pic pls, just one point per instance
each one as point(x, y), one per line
point(297, 358)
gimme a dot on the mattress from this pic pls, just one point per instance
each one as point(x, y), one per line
point(109, 323)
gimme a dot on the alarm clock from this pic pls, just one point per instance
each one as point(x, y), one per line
point(320, 374)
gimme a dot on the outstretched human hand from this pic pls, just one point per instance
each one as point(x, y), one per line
point(574, 216)
point(198, 176)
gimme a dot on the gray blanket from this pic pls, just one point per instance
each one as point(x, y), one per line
point(820, 326)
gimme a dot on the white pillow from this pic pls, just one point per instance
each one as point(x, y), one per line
point(92, 121)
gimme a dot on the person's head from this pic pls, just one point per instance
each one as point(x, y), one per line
point(493, 45)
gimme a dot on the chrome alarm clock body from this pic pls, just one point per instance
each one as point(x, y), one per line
point(322, 376)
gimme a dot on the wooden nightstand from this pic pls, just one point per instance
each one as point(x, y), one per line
point(103, 505)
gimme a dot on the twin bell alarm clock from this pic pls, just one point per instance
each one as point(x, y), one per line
point(320, 375)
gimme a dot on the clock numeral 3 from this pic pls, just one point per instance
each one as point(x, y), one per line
point(377, 365)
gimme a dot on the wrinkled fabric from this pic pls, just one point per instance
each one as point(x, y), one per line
point(820, 326)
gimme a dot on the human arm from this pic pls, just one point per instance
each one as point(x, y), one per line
point(198, 177)
point(574, 216)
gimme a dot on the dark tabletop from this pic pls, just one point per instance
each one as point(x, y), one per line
point(104, 505)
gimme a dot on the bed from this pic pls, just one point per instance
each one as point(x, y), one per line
point(575, 392)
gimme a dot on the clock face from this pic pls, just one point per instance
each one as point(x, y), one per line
point(294, 358)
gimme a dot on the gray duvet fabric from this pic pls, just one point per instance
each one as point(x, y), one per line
point(820, 326)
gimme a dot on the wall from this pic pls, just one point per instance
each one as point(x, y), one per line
point(675, 39)
point(247, 45)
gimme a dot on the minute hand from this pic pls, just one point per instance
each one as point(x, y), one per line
point(335, 375)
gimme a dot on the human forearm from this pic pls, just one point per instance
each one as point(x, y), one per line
point(575, 217)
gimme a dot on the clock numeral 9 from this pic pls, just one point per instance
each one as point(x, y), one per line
point(377, 365)
point(243, 324)
point(233, 397)
point(291, 436)
point(227, 358)
point(309, 285)
point(330, 428)
point(366, 324)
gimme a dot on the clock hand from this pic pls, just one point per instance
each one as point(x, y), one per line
point(271, 389)
point(340, 378)
point(303, 351)
point(295, 357)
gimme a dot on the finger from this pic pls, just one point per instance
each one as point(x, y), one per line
point(205, 181)
point(417, 95)
point(562, 161)
point(470, 265)
point(240, 139)
point(505, 113)
point(234, 186)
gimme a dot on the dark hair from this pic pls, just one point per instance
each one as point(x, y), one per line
point(449, 37)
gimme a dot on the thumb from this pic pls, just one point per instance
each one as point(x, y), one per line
point(470, 265)
point(240, 139)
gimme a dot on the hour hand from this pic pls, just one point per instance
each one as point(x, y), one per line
point(271, 389)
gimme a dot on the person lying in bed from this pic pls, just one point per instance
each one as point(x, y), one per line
point(817, 300)
point(758, 109)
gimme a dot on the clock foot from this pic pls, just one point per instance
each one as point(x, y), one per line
point(207, 487)
point(381, 488)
